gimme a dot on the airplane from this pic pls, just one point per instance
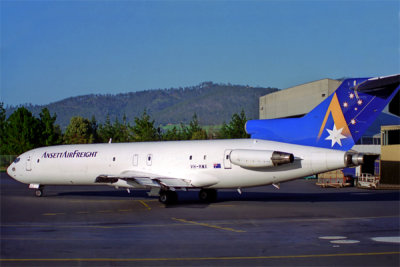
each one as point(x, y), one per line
point(279, 150)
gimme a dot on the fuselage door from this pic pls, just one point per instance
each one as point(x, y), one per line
point(227, 159)
point(135, 159)
point(29, 163)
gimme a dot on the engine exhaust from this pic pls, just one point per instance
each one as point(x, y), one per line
point(354, 159)
point(279, 158)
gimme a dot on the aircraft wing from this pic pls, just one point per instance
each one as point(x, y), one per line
point(130, 178)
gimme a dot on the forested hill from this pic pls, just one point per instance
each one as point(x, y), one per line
point(213, 103)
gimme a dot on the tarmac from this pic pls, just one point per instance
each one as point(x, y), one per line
point(300, 224)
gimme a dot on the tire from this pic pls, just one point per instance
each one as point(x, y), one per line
point(168, 197)
point(208, 195)
point(39, 192)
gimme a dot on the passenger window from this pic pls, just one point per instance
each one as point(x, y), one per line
point(190, 157)
point(205, 157)
point(113, 158)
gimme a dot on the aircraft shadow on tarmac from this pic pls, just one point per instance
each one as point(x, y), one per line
point(190, 197)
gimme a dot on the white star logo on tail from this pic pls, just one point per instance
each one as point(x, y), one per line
point(335, 136)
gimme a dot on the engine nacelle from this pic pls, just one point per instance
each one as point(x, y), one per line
point(259, 158)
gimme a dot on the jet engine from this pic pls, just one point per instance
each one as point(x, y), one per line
point(354, 159)
point(259, 158)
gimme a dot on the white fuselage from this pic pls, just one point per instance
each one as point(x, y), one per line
point(197, 161)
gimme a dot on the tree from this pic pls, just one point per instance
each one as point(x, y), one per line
point(121, 130)
point(118, 132)
point(106, 130)
point(235, 128)
point(173, 134)
point(199, 135)
point(79, 131)
point(94, 127)
point(194, 131)
point(22, 132)
point(51, 133)
point(144, 129)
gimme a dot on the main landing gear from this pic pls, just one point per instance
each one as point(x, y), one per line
point(208, 195)
point(168, 197)
point(171, 197)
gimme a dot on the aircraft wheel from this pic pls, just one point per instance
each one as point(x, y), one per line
point(168, 197)
point(208, 195)
point(39, 192)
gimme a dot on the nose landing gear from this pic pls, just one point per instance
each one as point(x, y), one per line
point(39, 192)
point(39, 189)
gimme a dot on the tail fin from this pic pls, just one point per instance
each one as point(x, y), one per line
point(339, 121)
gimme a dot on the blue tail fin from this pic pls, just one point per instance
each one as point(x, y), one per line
point(339, 121)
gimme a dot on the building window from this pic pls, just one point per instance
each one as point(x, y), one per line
point(392, 137)
point(377, 140)
point(368, 140)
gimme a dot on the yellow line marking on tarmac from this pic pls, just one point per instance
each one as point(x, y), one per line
point(91, 226)
point(97, 201)
point(82, 212)
point(104, 211)
point(144, 204)
point(294, 220)
point(110, 200)
point(126, 210)
point(202, 258)
point(52, 214)
point(209, 225)
point(220, 205)
point(336, 219)
point(50, 239)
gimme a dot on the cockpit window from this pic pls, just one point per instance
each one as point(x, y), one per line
point(16, 160)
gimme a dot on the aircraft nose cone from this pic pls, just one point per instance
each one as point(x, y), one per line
point(11, 170)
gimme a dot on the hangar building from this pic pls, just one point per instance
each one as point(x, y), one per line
point(296, 101)
point(390, 154)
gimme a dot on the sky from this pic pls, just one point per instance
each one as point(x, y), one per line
point(51, 50)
